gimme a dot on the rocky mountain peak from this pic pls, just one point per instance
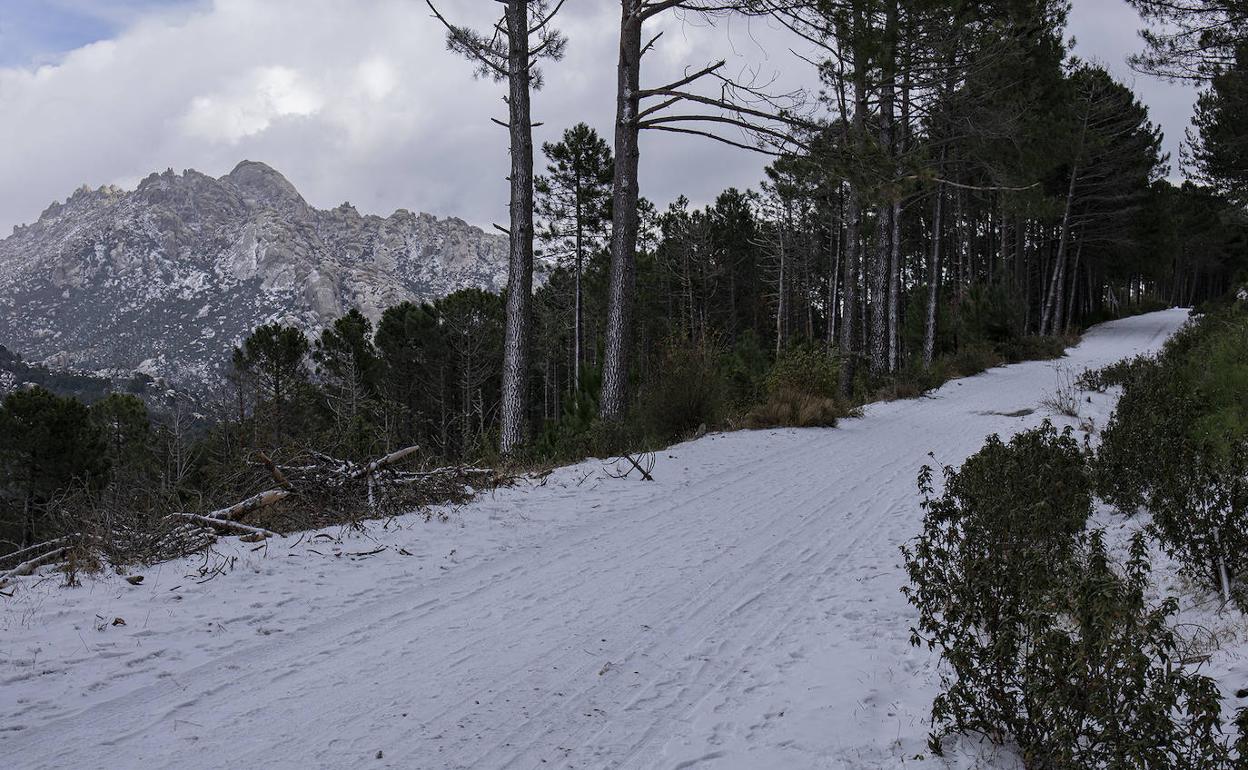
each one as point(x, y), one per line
point(261, 185)
point(166, 278)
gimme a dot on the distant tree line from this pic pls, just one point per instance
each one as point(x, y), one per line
point(959, 163)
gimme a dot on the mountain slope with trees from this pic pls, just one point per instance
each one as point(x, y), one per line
point(167, 278)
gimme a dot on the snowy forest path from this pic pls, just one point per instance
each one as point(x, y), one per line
point(742, 610)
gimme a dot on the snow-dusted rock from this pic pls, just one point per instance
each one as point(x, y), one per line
point(181, 268)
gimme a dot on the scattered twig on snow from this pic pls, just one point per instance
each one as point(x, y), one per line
point(644, 465)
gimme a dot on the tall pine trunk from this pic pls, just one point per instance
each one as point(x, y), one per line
point(623, 215)
point(902, 136)
point(853, 251)
point(1052, 297)
point(577, 311)
point(1052, 307)
point(834, 226)
point(1064, 322)
point(520, 268)
point(780, 292)
point(880, 262)
point(894, 288)
point(933, 280)
point(877, 335)
point(853, 224)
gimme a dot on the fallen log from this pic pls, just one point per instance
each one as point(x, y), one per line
point(381, 462)
point(191, 531)
point(226, 524)
point(253, 503)
point(449, 470)
point(27, 567)
point(25, 552)
point(274, 471)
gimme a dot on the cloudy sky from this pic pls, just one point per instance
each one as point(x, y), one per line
point(358, 100)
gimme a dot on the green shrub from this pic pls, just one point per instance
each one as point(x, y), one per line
point(914, 323)
point(684, 391)
point(606, 438)
point(1178, 446)
point(988, 313)
point(1045, 645)
point(904, 387)
point(919, 379)
point(1102, 683)
point(802, 391)
point(1129, 454)
point(567, 436)
point(745, 366)
point(1116, 374)
point(972, 359)
point(805, 368)
point(1034, 348)
point(1107, 313)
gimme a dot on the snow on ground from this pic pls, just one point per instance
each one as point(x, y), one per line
point(741, 611)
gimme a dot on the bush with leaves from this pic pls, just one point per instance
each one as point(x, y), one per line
point(802, 390)
point(974, 358)
point(1178, 446)
point(572, 435)
point(684, 391)
point(807, 368)
point(1117, 374)
point(989, 314)
point(1046, 646)
point(1035, 348)
point(992, 549)
point(745, 367)
point(1105, 683)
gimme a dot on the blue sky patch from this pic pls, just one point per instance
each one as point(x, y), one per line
point(35, 32)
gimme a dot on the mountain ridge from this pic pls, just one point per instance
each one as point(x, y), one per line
point(166, 278)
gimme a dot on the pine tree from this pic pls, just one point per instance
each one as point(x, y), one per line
point(410, 346)
point(1191, 39)
point(50, 443)
point(1217, 151)
point(272, 363)
point(510, 53)
point(349, 370)
point(573, 200)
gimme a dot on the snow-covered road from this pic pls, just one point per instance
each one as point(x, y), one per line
point(740, 611)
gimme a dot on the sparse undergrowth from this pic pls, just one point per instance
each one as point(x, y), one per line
point(1065, 397)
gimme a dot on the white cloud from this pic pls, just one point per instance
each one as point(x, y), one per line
point(353, 100)
point(251, 105)
point(377, 78)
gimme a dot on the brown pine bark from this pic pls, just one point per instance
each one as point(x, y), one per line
point(514, 404)
point(624, 216)
point(880, 266)
point(853, 243)
point(933, 280)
